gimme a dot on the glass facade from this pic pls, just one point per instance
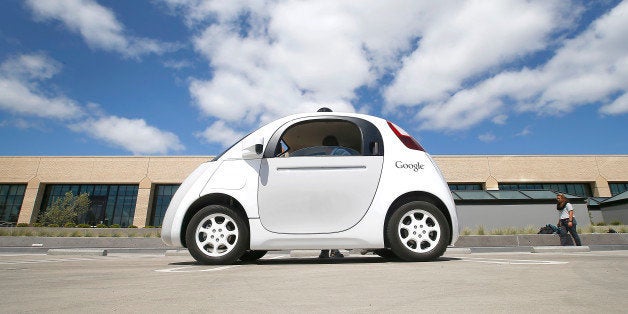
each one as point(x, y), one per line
point(161, 200)
point(579, 189)
point(465, 187)
point(11, 197)
point(110, 204)
point(618, 187)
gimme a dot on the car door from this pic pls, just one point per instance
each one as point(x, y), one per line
point(309, 185)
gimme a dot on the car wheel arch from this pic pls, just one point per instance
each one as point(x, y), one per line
point(416, 196)
point(211, 199)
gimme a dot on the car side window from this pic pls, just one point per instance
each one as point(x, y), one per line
point(328, 137)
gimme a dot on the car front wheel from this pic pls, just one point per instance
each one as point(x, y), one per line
point(418, 231)
point(217, 235)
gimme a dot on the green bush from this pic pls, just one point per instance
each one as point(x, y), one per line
point(69, 225)
point(114, 226)
point(24, 233)
point(22, 224)
point(481, 230)
point(132, 226)
point(44, 233)
point(53, 225)
point(616, 223)
point(600, 224)
point(37, 224)
point(76, 233)
point(101, 226)
point(65, 209)
point(149, 227)
point(83, 226)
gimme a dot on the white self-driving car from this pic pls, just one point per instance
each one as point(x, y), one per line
point(321, 180)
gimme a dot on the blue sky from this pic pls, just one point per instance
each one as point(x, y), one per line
point(177, 77)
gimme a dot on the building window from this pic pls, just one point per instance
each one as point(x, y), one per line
point(11, 197)
point(618, 187)
point(161, 200)
point(110, 204)
point(465, 187)
point(579, 189)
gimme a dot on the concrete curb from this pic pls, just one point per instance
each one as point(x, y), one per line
point(81, 242)
point(180, 252)
point(529, 240)
point(79, 252)
point(560, 249)
point(458, 250)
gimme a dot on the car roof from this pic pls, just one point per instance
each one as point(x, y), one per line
point(330, 114)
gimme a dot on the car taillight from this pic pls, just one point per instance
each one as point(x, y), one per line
point(405, 138)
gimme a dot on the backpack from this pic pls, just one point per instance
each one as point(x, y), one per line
point(545, 230)
point(549, 229)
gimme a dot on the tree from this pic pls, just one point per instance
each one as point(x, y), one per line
point(66, 209)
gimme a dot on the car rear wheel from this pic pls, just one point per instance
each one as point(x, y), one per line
point(418, 231)
point(217, 235)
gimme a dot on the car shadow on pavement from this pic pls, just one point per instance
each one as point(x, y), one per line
point(315, 260)
point(345, 260)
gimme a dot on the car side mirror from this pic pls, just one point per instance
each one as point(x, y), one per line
point(252, 149)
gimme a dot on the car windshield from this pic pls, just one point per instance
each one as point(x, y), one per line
point(230, 147)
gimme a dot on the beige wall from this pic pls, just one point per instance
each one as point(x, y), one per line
point(597, 171)
point(36, 172)
point(489, 171)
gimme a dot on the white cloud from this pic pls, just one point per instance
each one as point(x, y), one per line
point(500, 119)
point(487, 137)
point(588, 69)
point(451, 64)
point(468, 39)
point(23, 124)
point(220, 133)
point(292, 56)
point(21, 91)
point(30, 66)
point(98, 26)
point(177, 64)
point(134, 135)
point(525, 132)
point(619, 106)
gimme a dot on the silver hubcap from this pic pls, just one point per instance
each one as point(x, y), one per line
point(216, 235)
point(419, 231)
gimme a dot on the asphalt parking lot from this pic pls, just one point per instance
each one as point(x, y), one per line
point(478, 282)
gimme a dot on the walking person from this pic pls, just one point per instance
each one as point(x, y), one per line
point(566, 221)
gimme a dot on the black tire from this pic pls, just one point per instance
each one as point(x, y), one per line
point(217, 235)
point(251, 255)
point(418, 232)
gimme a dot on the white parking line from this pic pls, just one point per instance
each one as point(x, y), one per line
point(201, 268)
point(54, 260)
point(191, 269)
point(511, 261)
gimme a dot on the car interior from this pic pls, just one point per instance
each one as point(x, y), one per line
point(312, 138)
